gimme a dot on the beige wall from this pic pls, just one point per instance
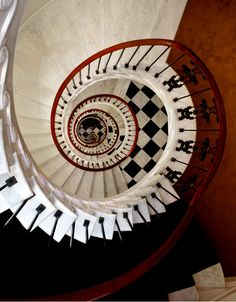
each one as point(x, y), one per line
point(31, 7)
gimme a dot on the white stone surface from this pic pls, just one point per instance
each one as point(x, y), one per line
point(80, 230)
point(109, 183)
point(165, 196)
point(63, 224)
point(156, 204)
point(186, 294)
point(211, 277)
point(98, 185)
point(28, 212)
point(20, 191)
point(72, 182)
point(143, 208)
point(109, 224)
point(123, 223)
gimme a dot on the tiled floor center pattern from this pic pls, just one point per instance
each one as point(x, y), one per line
point(153, 132)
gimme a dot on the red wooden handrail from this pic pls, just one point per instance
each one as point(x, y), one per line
point(106, 288)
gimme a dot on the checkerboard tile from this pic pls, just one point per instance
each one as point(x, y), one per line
point(153, 132)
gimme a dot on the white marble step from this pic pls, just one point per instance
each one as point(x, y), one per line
point(211, 277)
point(155, 201)
point(51, 165)
point(38, 141)
point(121, 88)
point(84, 189)
point(72, 181)
point(119, 180)
point(15, 194)
point(171, 195)
point(81, 221)
point(34, 108)
point(62, 174)
point(98, 185)
point(210, 285)
point(109, 183)
point(30, 124)
point(63, 223)
point(121, 214)
point(140, 211)
point(43, 153)
point(186, 294)
point(28, 213)
point(108, 223)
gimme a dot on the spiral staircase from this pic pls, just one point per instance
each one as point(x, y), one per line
point(108, 156)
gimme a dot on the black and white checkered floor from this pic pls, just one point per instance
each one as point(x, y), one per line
point(153, 132)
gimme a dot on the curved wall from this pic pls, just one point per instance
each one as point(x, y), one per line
point(209, 29)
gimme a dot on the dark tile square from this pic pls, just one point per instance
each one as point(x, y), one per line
point(150, 109)
point(135, 151)
point(122, 137)
point(165, 128)
point(151, 148)
point(131, 183)
point(99, 126)
point(163, 108)
point(148, 167)
point(132, 168)
point(163, 147)
point(148, 92)
point(134, 107)
point(110, 129)
point(150, 128)
point(132, 90)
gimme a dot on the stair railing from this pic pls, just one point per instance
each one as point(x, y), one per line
point(206, 107)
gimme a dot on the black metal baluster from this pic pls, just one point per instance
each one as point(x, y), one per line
point(183, 130)
point(18, 210)
point(136, 208)
point(172, 63)
point(99, 62)
point(57, 215)
point(167, 191)
point(118, 227)
point(59, 114)
point(146, 53)
point(148, 67)
point(115, 66)
point(62, 107)
point(188, 164)
point(126, 216)
point(39, 210)
point(157, 198)
point(80, 78)
point(127, 64)
point(101, 221)
point(9, 183)
point(191, 94)
point(65, 102)
point(68, 91)
point(88, 75)
point(72, 234)
point(86, 225)
point(105, 69)
point(74, 85)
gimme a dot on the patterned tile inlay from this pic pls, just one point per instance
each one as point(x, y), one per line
point(153, 132)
